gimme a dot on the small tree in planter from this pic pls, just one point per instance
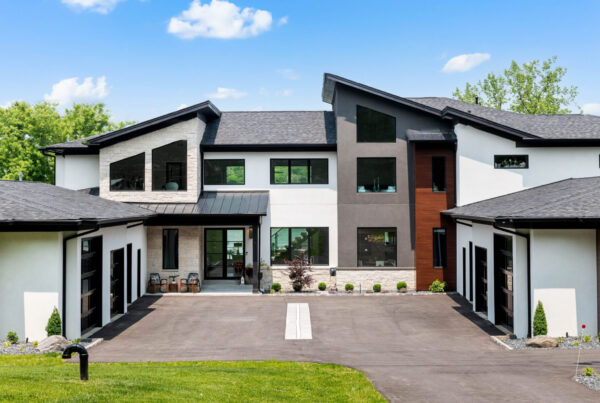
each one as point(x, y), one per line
point(299, 271)
point(540, 326)
point(54, 325)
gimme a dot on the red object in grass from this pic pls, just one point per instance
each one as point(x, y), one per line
point(583, 326)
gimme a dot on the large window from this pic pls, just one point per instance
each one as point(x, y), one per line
point(224, 172)
point(376, 175)
point(169, 166)
point(511, 161)
point(289, 243)
point(439, 247)
point(127, 174)
point(298, 171)
point(438, 169)
point(170, 249)
point(374, 127)
point(377, 247)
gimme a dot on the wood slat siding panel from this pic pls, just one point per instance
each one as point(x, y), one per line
point(428, 206)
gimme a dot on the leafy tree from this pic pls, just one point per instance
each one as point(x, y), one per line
point(531, 88)
point(540, 326)
point(24, 128)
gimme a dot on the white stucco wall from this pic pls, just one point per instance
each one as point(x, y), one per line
point(30, 282)
point(563, 277)
point(77, 171)
point(299, 205)
point(190, 130)
point(477, 179)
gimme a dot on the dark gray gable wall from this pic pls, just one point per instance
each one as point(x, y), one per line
point(363, 210)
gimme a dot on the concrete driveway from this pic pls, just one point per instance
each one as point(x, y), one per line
point(413, 348)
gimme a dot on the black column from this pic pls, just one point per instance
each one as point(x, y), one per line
point(255, 258)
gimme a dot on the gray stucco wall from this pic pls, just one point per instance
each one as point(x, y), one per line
point(356, 210)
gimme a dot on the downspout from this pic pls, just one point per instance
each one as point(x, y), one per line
point(527, 237)
point(64, 275)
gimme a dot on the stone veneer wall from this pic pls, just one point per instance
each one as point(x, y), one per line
point(366, 278)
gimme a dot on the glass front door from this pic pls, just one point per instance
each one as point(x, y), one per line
point(224, 253)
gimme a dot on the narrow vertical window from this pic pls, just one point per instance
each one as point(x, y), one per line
point(170, 249)
point(439, 247)
point(438, 169)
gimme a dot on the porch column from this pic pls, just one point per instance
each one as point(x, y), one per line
point(255, 259)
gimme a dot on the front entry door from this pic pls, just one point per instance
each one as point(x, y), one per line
point(503, 280)
point(224, 253)
point(117, 282)
point(481, 303)
point(91, 283)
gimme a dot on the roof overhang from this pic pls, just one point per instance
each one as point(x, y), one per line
point(269, 147)
point(66, 225)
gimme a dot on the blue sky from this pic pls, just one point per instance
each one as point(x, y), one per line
point(145, 58)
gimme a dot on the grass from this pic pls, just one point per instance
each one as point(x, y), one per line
point(47, 377)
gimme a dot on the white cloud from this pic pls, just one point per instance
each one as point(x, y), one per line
point(68, 91)
point(182, 106)
point(288, 74)
point(461, 63)
point(98, 6)
point(591, 109)
point(227, 93)
point(282, 21)
point(10, 103)
point(219, 19)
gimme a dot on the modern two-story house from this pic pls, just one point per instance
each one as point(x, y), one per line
point(367, 192)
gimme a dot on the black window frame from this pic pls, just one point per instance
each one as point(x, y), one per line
point(433, 173)
point(440, 261)
point(289, 234)
point(385, 229)
point(502, 156)
point(358, 126)
point(358, 159)
point(224, 160)
point(143, 176)
point(165, 249)
point(289, 174)
point(155, 168)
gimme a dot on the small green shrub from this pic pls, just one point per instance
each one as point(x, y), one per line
point(587, 371)
point(437, 286)
point(377, 287)
point(349, 287)
point(6, 344)
point(271, 291)
point(12, 337)
point(34, 344)
point(587, 338)
point(559, 340)
point(576, 343)
point(297, 286)
point(322, 286)
point(276, 287)
point(401, 285)
point(540, 326)
point(54, 326)
point(22, 348)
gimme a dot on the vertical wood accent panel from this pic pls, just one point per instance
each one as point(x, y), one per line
point(428, 206)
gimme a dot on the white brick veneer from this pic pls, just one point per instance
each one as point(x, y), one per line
point(190, 130)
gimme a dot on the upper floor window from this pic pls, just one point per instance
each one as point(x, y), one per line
point(439, 247)
point(224, 172)
point(511, 161)
point(169, 166)
point(376, 175)
point(438, 170)
point(289, 243)
point(376, 247)
point(374, 127)
point(127, 174)
point(298, 171)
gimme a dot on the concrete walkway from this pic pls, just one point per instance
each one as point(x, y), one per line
point(413, 348)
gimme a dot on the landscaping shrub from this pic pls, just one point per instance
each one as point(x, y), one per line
point(576, 343)
point(12, 337)
point(588, 371)
point(276, 287)
point(540, 326)
point(559, 340)
point(400, 285)
point(437, 286)
point(54, 326)
point(349, 287)
point(322, 286)
point(587, 338)
point(377, 287)
point(35, 344)
point(299, 271)
point(6, 344)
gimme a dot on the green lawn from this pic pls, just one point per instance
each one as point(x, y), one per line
point(48, 378)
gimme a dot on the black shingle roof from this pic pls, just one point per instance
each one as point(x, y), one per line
point(35, 202)
point(570, 199)
point(217, 203)
point(264, 128)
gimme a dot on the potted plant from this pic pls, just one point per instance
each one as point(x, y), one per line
point(298, 272)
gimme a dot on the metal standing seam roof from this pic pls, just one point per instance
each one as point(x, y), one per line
point(216, 203)
point(569, 199)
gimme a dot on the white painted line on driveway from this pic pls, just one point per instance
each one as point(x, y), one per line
point(297, 322)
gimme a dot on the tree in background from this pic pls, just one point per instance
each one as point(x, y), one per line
point(24, 128)
point(531, 88)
